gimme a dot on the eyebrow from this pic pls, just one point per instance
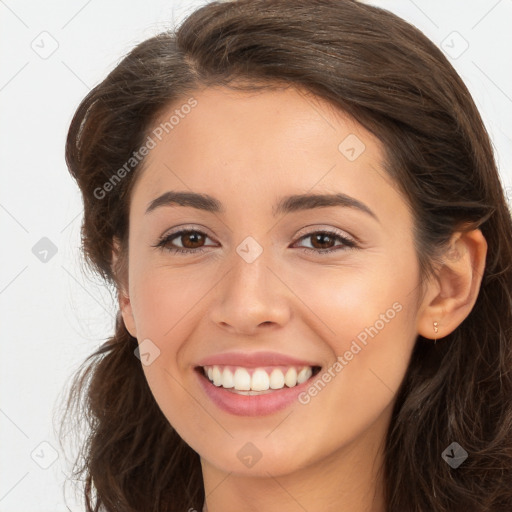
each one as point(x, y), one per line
point(286, 204)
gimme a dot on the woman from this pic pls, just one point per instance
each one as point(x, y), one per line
point(298, 206)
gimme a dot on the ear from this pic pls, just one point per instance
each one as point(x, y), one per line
point(450, 297)
point(120, 269)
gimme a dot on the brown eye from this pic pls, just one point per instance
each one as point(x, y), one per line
point(192, 239)
point(188, 241)
point(322, 242)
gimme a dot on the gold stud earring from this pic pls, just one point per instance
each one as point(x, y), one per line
point(435, 330)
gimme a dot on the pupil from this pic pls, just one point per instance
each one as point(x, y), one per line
point(197, 236)
point(320, 238)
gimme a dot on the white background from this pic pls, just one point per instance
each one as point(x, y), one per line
point(53, 314)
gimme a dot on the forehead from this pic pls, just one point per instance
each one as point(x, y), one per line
point(260, 144)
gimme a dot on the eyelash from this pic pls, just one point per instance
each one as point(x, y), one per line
point(164, 241)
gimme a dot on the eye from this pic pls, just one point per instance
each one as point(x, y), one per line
point(321, 242)
point(190, 239)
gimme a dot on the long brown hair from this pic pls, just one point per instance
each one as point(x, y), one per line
point(385, 73)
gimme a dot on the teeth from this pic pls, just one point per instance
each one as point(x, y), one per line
point(303, 375)
point(242, 379)
point(290, 379)
point(217, 376)
point(276, 379)
point(228, 380)
point(260, 380)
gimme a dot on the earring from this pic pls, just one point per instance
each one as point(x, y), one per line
point(435, 330)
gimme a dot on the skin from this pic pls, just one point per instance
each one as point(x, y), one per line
point(247, 149)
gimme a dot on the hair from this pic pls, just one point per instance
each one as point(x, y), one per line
point(383, 72)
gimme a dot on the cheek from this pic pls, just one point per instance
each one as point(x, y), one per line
point(368, 320)
point(356, 301)
point(167, 306)
point(166, 310)
point(165, 298)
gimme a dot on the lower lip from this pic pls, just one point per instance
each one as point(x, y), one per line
point(251, 405)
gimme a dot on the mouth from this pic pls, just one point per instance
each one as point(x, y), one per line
point(256, 391)
point(259, 380)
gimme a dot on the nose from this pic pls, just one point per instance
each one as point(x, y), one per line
point(250, 297)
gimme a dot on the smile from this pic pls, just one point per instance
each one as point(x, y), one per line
point(257, 391)
point(240, 378)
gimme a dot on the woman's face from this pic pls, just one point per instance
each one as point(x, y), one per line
point(271, 272)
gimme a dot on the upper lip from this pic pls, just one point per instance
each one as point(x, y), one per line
point(254, 359)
